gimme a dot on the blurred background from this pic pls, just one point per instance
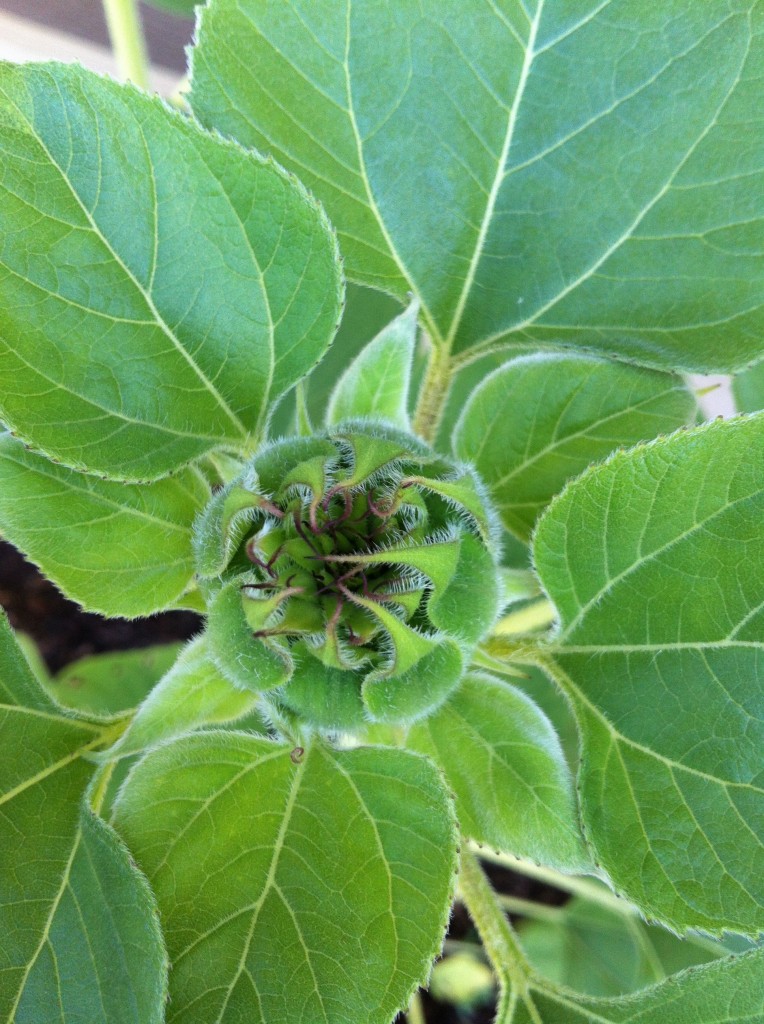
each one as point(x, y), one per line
point(76, 30)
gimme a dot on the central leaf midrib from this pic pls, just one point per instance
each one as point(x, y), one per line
point(493, 195)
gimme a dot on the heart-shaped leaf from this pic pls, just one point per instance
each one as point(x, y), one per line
point(159, 287)
point(502, 757)
point(655, 561)
point(313, 891)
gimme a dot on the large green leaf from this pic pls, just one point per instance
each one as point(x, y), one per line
point(655, 561)
point(158, 286)
point(547, 172)
point(539, 420)
point(118, 549)
point(42, 780)
point(316, 891)
point(730, 991)
point(504, 761)
point(101, 957)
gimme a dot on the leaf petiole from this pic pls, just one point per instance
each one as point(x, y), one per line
point(127, 40)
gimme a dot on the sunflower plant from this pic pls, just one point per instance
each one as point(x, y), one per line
point(374, 352)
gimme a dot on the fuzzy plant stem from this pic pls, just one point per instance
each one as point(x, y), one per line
point(127, 40)
point(434, 392)
point(497, 935)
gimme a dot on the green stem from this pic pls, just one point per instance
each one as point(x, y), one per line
point(101, 784)
point(433, 395)
point(127, 40)
point(497, 935)
point(532, 617)
point(527, 908)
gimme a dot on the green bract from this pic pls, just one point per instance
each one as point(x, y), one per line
point(336, 568)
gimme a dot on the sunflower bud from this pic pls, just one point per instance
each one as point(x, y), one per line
point(351, 574)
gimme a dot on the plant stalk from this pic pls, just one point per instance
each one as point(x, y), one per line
point(415, 1011)
point(433, 395)
point(126, 33)
point(496, 933)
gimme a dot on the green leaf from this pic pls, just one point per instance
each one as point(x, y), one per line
point(292, 892)
point(601, 952)
point(748, 389)
point(503, 760)
point(159, 287)
point(376, 384)
point(117, 549)
point(655, 562)
point(730, 991)
point(533, 173)
point(42, 780)
point(101, 957)
point(192, 694)
point(540, 420)
point(182, 7)
point(366, 313)
point(108, 685)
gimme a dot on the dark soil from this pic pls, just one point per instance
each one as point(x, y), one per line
point(64, 633)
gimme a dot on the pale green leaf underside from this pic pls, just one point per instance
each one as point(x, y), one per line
point(586, 175)
point(655, 562)
point(118, 549)
point(602, 952)
point(193, 693)
point(158, 286)
point(729, 991)
point(540, 420)
point(504, 762)
point(109, 684)
point(101, 958)
point(376, 384)
point(311, 892)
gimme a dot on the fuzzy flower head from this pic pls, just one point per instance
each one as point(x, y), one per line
point(351, 574)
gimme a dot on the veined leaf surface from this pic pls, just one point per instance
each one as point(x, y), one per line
point(541, 172)
point(504, 761)
point(729, 991)
point(316, 891)
point(655, 561)
point(118, 549)
point(78, 935)
point(101, 958)
point(158, 286)
point(539, 420)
